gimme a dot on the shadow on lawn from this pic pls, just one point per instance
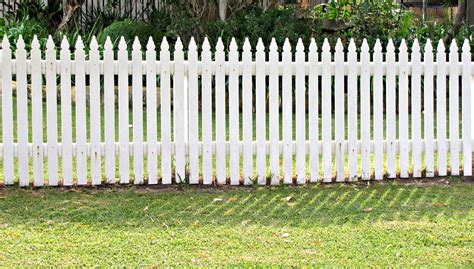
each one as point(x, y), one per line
point(304, 206)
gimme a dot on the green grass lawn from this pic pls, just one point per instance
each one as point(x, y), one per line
point(392, 223)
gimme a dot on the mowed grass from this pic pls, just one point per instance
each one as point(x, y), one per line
point(392, 223)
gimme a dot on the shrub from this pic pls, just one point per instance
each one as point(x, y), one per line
point(129, 30)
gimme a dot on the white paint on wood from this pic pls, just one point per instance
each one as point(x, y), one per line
point(327, 112)
point(206, 108)
point(466, 108)
point(287, 111)
point(109, 103)
point(51, 108)
point(137, 106)
point(403, 110)
point(151, 119)
point(95, 112)
point(123, 113)
point(365, 111)
point(22, 114)
point(428, 91)
point(247, 107)
point(416, 108)
point(313, 111)
point(274, 113)
point(261, 112)
point(441, 107)
point(352, 113)
point(193, 113)
point(454, 107)
point(165, 112)
point(390, 100)
point(234, 129)
point(339, 97)
point(66, 114)
point(37, 113)
point(378, 111)
point(178, 111)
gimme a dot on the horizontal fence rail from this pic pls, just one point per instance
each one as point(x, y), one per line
point(243, 116)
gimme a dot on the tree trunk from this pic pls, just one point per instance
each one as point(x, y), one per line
point(458, 21)
point(70, 7)
point(223, 10)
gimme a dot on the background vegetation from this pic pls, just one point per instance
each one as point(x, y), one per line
point(356, 19)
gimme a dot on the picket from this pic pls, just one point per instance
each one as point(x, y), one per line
point(151, 119)
point(51, 110)
point(378, 111)
point(352, 111)
point(7, 114)
point(416, 108)
point(313, 112)
point(260, 112)
point(327, 112)
point(109, 112)
point(37, 114)
point(407, 82)
point(165, 118)
point(247, 101)
point(234, 130)
point(287, 113)
point(428, 109)
point(95, 119)
point(178, 112)
point(403, 110)
point(454, 108)
point(22, 113)
point(300, 114)
point(206, 110)
point(441, 108)
point(466, 108)
point(274, 113)
point(339, 110)
point(365, 110)
point(123, 112)
point(221, 156)
point(193, 114)
point(66, 114)
point(391, 112)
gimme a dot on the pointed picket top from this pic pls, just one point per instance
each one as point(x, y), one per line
point(352, 45)
point(378, 46)
point(79, 43)
point(260, 45)
point(453, 48)
point(122, 44)
point(108, 44)
point(178, 46)
point(136, 44)
point(390, 46)
point(150, 46)
point(219, 45)
point(233, 45)
point(20, 43)
point(94, 44)
point(365, 46)
point(428, 46)
point(326, 46)
point(247, 46)
point(313, 47)
point(287, 45)
point(273, 45)
point(415, 48)
point(299, 45)
point(5, 42)
point(466, 47)
point(64, 44)
point(35, 45)
point(339, 46)
point(441, 47)
point(192, 44)
point(50, 43)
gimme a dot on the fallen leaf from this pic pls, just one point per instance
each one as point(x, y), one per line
point(368, 209)
point(217, 200)
point(289, 199)
point(231, 200)
point(284, 235)
point(145, 209)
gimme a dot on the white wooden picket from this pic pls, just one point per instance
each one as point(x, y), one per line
point(220, 118)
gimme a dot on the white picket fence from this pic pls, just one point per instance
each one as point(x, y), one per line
point(203, 95)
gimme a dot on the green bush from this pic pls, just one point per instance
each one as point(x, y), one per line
point(129, 30)
point(27, 28)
